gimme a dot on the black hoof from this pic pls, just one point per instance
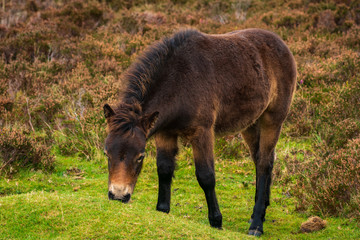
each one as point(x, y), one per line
point(216, 222)
point(217, 227)
point(256, 228)
point(163, 208)
point(255, 233)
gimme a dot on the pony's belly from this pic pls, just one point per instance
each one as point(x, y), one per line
point(236, 121)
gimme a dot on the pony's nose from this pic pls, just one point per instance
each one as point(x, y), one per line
point(126, 198)
point(111, 195)
point(123, 199)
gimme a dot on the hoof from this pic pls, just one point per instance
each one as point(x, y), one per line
point(218, 227)
point(162, 208)
point(216, 222)
point(255, 233)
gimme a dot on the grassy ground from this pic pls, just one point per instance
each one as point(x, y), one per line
point(72, 203)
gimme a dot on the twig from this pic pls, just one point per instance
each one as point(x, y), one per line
point(11, 159)
point(5, 164)
point(42, 118)
point(27, 109)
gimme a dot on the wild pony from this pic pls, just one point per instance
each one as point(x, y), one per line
point(195, 86)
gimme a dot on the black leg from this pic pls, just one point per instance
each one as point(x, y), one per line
point(165, 159)
point(251, 136)
point(205, 174)
point(269, 135)
point(258, 216)
point(206, 179)
point(267, 191)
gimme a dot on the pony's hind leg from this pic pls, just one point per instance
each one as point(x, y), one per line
point(166, 150)
point(203, 144)
point(269, 135)
point(251, 136)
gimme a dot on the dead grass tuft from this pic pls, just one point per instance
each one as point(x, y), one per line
point(313, 224)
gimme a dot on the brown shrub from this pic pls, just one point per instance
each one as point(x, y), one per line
point(153, 18)
point(325, 20)
point(3, 31)
point(329, 184)
point(89, 15)
point(290, 21)
point(342, 14)
point(5, 104)
point(19, 151)
point(300, 118)
point(336, 136)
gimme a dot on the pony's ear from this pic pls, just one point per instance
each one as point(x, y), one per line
point(148, 121)
point(108, 112)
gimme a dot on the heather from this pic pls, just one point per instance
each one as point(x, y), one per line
point(61, 61)
point(18, 150)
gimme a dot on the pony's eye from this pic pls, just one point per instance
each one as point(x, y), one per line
point(141, 157)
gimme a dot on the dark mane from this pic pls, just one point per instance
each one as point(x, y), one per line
point(142, 75)
point(125, 119)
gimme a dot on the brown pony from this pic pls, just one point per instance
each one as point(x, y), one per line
point(195, 86)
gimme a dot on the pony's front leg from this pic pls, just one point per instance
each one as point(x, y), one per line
point(204, 163)
point(167, 149)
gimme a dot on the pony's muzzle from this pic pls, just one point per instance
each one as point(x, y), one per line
point(122, 194)
point(123, 199)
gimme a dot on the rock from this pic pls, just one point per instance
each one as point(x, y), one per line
point(313, 224)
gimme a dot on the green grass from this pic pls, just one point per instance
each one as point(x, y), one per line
point(71, 203)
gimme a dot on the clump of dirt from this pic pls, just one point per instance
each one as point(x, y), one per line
point(313, 224)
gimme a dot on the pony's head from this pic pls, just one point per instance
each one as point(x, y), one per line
point(125, 148)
